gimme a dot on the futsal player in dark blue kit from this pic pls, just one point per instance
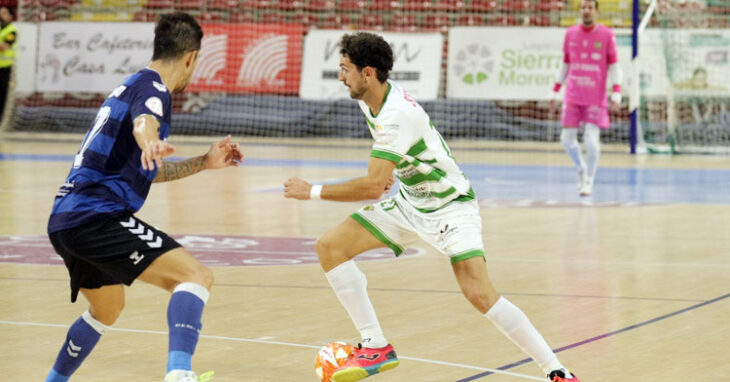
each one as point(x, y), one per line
point(92, 226)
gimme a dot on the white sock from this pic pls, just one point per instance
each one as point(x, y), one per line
point(98, 326)
point(513, 323)
point(592, 140)
point(350, 286)
point(569, 140)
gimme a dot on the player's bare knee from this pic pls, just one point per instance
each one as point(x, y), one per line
point(320, 246)
point(200, 275)
point(206, 277)
point(324, 248)
point(108, 313)
point(329, 254)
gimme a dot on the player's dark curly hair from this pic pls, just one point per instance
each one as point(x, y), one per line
point(176, 34)
point(368, 49)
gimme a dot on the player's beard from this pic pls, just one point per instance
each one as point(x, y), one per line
point(359, 91)
point(588, 20)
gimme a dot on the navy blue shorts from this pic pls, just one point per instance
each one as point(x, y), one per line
point(115, 250)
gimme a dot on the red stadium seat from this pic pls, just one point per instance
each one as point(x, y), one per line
point(371, 20)
point(514, 5)
point(57, 3)
point(337, 21)
point(549, 5)
point(482, 5)
point(191, 4)
point(245, 17)
point(404, 21)
point(210, 17)
point(320, 5)
point(438, 21)
point(258, 4)
point(540, 21)
point(417, 5)
point(384, 5)
point(47, 16)
point(719, 22)
point(719, 9)
point(145, 16)
point(352, 5)
point(469, 19)
point(159, 4)
point(273, 18)
point(450, 5)
point(290, 5)
point(307, 19)
point(223, 4)
point(505, 20)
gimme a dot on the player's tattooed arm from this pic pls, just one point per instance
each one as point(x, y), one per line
point(177, 170)
point(221, 154)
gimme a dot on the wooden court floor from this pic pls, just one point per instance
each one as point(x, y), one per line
point(625, 292)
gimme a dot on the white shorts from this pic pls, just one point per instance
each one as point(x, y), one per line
point(455, 230)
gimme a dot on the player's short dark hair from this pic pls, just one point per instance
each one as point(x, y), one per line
point(176, 34)
point(594, 2)
point(368, 49)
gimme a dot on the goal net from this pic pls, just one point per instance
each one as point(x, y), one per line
point(685, 77)
point(482, 69)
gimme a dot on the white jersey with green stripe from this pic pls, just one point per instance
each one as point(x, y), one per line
point(403, 132)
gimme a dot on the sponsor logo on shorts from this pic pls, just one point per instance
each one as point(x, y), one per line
point(447, 232)
point(387, 205)
point(136, 257)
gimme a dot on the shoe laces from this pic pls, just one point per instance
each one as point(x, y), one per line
point(206, 377)
point(556, 376)
point(192, 377)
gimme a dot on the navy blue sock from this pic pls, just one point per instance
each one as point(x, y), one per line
point(183, 318)
point(81, 338)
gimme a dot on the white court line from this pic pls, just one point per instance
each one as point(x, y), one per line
point(598, 263)
point(269, 342)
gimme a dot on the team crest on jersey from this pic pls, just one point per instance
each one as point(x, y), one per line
point(386, 137)
point(155, 105)
point(597, 45)
point(159, 86)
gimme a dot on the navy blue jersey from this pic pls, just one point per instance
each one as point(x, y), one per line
point(107, 174)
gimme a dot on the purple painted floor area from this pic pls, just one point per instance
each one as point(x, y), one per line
point(210, 250)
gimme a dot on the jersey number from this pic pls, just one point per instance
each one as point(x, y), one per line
point(101, 117)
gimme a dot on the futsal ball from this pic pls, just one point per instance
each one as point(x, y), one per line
point(330, 357)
